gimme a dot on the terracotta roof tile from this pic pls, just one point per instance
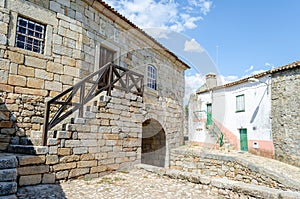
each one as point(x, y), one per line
point(272, 71)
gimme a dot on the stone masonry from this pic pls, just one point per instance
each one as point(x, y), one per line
point(232, 167)
point(285, 115)
point(109, 137)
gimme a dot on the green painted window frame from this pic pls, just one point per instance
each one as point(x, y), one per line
point(240, 103)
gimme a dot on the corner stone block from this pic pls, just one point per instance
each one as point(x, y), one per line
point(7, 188)
point(8, 175)
point(30, 180)
point(7, 162)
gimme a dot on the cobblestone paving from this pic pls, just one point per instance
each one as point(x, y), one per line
point(135, 184)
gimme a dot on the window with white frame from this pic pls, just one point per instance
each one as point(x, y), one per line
point(152, 77)
point(240, 103)
point(30, 35)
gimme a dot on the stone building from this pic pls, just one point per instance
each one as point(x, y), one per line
point(285, 113)
point(259, 114)
point(133, 107)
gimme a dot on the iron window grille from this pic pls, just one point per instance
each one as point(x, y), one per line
point(152, 77)
point(30, 35)
point(240, 103)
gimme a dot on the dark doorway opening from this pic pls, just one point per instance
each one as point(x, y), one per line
point(153, 143)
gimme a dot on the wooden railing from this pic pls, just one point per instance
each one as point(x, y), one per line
point(74, 98)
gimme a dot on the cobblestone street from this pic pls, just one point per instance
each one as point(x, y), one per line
point(128, 184)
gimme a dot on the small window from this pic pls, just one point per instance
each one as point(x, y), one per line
point(152, 77)
point(30, 35)
point(240, 103)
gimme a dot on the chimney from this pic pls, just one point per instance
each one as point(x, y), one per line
point(211, 80)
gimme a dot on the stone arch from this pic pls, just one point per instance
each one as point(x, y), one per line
point(153, 143)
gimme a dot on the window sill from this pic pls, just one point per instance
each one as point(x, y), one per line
point(29, 53)
point(240, 111)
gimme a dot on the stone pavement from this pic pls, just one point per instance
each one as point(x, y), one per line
point(135, 184)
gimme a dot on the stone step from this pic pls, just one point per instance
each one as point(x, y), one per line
point(7, 175)
point(8, 161)
point(27, 149)
point(8, 188)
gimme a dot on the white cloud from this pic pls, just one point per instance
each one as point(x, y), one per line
point(192, 83)
point(193, 46)
point(203, 5)
point(227, 79)
point(249, 69)
point(171, 14)
point(269, 65)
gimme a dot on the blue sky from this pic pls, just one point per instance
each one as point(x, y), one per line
point(249, 35)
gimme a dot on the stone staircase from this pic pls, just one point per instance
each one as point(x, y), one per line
point(33, 144)
point(8, 176)
point(226, 146)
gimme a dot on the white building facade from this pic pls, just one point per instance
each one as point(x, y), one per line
point(239, 110)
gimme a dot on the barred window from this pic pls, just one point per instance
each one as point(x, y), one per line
point(30, 35)
point(151, 77)
point(240, 103)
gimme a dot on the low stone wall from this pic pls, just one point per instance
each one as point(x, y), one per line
point(229, 166)
point(222, 187)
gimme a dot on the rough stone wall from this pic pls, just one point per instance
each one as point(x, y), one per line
point(220, 166)
point(285, 115)
point(75, 30)
point(108, 138)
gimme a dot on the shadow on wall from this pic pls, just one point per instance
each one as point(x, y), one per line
point(153, 143)
point(7, 125)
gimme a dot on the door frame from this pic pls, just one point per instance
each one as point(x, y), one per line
point(208, 114)
point(243, 139)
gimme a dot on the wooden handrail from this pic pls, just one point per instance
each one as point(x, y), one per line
point(107, 78)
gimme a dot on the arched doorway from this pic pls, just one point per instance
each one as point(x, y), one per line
point(153, 143)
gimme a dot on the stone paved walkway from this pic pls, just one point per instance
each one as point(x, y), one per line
point(133, 184)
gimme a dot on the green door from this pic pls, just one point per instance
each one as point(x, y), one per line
point(209, 115)
point(243, 140)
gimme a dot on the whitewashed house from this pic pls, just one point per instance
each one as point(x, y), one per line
point(238, 112)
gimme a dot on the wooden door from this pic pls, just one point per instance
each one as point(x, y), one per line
point(209, 114)
point(243, 140)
